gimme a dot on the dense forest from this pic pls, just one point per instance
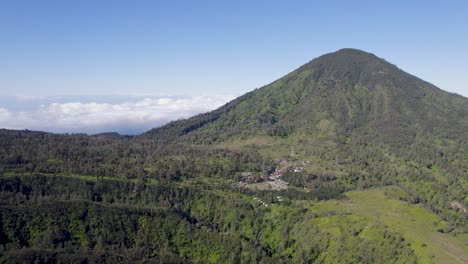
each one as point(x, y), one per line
point(369, 153)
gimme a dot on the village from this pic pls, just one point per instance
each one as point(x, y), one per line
point(273, 181)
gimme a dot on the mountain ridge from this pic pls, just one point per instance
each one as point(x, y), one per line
point(348, 80)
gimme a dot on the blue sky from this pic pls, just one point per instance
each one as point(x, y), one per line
point(212, 48)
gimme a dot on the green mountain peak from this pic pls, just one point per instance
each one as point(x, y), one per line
point(351, 88)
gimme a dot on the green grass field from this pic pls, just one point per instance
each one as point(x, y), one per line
point(415, 223)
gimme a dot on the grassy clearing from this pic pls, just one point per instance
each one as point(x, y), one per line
point(416, 224)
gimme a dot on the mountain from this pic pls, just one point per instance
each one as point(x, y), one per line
point(352, 89)
point(351, 113)
point(375, 162)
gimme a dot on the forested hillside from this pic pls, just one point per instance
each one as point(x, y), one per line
point(347, 159)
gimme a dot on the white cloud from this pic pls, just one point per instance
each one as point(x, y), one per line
point(127, 117)
point(4, 115)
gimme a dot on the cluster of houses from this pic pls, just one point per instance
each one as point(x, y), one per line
point(275, 174)
point(274, 178)
point(248, 177)
point(275, 181)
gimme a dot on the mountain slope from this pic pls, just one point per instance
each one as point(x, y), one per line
point(352, 87)
point(355, 116)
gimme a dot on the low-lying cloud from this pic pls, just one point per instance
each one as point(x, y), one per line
point(129, 117)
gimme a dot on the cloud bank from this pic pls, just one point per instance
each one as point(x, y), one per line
point(130, 117)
